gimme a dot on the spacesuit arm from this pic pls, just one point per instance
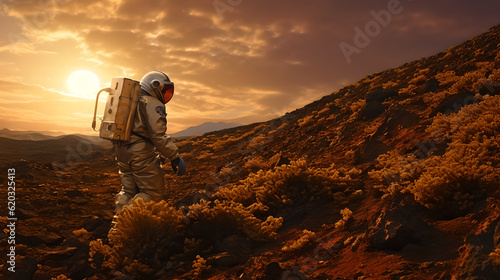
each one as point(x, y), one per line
point(157, 128)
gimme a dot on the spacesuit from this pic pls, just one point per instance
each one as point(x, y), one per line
point(139, 160)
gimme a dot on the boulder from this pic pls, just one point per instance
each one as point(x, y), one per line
point(372, 110)
point(398, 226)
point(26, 268)
point(475, 262)
point(380, 95)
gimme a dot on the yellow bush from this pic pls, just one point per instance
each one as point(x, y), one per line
point(346, 218)
point(141, 237)
point(199, 265)
point(102, 255)
point(466, 172)
point(257, 163)
point(469, 168)
point(419, 77)
point(306, 120)
point(307, 238)
point(467, 82)
point(395, 172)
point(390, 84)
point(495, 256)
point(225, 217)
point(284, 184)
point(358, 106)
point(447, 78)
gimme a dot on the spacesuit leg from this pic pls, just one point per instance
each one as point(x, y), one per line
point(129, 186)
point(149, 177)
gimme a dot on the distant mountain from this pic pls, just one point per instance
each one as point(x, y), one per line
point(66, 148)
point(47, 135)
point(27, 135)
point(204, 128)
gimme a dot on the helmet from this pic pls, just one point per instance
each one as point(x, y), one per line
point(158, 85)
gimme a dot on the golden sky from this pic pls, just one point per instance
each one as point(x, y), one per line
point(231, 60)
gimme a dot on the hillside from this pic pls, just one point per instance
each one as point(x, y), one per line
point(202, 129)
point(393, 177)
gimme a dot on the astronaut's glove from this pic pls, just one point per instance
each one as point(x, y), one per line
point(179, 166)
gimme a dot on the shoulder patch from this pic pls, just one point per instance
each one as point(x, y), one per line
point(160, 110)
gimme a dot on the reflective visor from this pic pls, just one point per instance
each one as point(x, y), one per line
point(168, 92)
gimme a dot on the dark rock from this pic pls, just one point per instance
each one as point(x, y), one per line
point(475, 262)
point(42, 275)
point(488, 89)
point(50, 238)
point(496, 237)
point(47, 238)
point(39, 203)
point(454, 103)
point(399, 119)
point(82, 269)
point(52, 228)
point(322, 276)
point(476, 265)
point(58, 254)
point(358, 274)
point(74, 193)
point(74, 241)
point(224, 259)
point(25, 269)
point(372, 150)
point(55, 264)
point(372, 110)
point(397, 227)
point(98, 225)
point(236, 246)
point(80, 201)
point(431, 85)
point(445, 276)
point(273, 270)
point(380, 95)
point(282, 161)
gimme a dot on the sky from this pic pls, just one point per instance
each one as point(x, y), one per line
point(240, 61)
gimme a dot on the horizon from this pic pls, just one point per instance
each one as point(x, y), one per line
point(227, 64)
point(62, 133)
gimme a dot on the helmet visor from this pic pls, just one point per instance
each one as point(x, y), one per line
point(168, 92)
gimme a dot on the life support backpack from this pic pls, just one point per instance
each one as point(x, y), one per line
point(119, 113)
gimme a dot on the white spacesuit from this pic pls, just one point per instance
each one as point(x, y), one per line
point(139, 159)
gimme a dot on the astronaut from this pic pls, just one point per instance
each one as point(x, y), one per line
point(139, 160)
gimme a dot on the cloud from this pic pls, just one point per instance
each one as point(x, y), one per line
point(239, 64)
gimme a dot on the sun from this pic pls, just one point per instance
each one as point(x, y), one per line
point(83, 83)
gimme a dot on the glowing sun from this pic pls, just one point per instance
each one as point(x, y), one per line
point(83, 83)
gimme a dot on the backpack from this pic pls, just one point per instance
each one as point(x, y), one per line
point(119, 113)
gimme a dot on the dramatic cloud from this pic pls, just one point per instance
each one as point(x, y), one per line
point(236, 61)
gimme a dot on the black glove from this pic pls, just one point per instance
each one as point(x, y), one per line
point(179, 166)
